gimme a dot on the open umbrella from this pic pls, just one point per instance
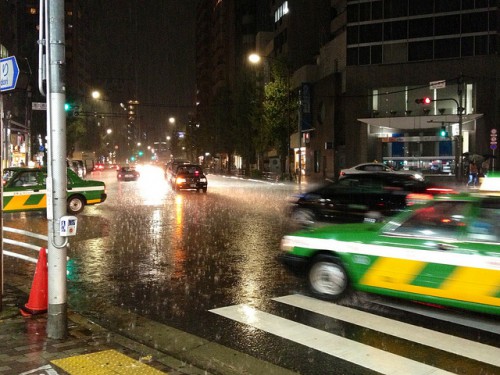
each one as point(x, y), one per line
point(475, 158)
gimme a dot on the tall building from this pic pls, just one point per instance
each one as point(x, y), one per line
point(19, 34)
point(225, 36)
point(381, 57)
point(365, 63)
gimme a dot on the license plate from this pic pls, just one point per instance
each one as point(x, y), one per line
point(129, 175)
point(193, 185)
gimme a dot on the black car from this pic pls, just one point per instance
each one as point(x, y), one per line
point(362, 196)
point(172, 165)
point(127, 174)
point(189, 177)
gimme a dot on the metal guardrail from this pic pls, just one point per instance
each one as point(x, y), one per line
point(23, 244)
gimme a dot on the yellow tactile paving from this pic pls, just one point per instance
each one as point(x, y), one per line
point(107, 362)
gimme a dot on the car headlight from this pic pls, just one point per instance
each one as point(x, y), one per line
point(180, 180)
point(203, 179)
point(287, 244)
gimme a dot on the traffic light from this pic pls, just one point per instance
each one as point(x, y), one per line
point(140, 153)
point(425, 100)
point(71, 109)
point(443, 132)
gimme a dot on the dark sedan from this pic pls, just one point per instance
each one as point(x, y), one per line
point(189, 177)
point(357, 197)
point(127, 174)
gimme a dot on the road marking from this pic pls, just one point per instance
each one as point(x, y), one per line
point(352, 351)
point(444, 315)
point(438, 340)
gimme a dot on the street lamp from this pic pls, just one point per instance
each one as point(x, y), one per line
point(255, 58)
point(96, 94)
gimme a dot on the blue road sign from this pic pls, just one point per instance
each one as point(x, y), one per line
point(9, 72)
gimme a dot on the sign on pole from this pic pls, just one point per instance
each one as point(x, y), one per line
point(493, 139)
point(9, 72)
point(434, 85)
point(39, 106)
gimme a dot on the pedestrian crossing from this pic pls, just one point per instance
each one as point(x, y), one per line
point(361, 354)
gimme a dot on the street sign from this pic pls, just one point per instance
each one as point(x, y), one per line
point(433, 85)
point(9, 72)
point(493, 139)
point(39, 106)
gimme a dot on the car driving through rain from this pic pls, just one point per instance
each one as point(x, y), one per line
point(26, 190)
point(446, 252)
point(127, 173)
point(356, 197)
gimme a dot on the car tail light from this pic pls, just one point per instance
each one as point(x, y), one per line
point(196, 173)
point(418, 198)
point(441, 190)
point(180, 180)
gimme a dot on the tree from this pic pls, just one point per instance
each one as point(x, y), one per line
point(278, 112)
point(75, 133)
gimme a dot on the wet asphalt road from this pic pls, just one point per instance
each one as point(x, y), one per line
point(174, 256)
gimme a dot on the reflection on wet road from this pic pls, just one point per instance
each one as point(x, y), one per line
point(174, 257)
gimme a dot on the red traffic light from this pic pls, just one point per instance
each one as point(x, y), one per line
point(425, 100)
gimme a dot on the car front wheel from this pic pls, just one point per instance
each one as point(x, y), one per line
point(75, 204)
point(327, 278)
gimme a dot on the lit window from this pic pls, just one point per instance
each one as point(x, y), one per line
point(281, 11)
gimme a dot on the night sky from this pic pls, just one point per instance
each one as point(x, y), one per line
point(149, 48)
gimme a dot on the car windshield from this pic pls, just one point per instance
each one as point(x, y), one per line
point(440, 219)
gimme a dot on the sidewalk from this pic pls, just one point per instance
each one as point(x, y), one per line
point(88, 349)
point(142, 348)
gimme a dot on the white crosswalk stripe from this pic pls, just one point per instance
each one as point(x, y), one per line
point(438, 340)
point(352, 351)
point(355, 352)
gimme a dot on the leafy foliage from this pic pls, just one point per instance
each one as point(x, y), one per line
point(278, 111)
point(75, 133)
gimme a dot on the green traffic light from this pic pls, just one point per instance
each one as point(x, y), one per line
point(67, 107)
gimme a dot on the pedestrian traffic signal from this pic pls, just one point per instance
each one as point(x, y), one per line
point(425, 100)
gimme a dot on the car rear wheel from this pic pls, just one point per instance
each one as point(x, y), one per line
point(327, 278)
point(75, 204)
point(303, 217)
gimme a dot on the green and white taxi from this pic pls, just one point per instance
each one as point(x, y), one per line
point(25, 190)
point(446, 253)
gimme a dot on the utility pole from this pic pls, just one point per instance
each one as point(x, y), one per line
point(53, 64)
point(460, 111)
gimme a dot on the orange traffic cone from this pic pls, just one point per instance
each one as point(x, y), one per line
point(38, 299)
